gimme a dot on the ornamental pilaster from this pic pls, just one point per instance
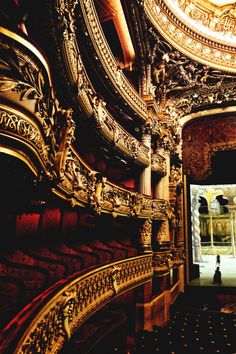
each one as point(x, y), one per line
point(145, 236)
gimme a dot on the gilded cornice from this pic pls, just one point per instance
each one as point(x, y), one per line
point(84, 95)
point(49, 321)
point(204, 49)
point(106, 59)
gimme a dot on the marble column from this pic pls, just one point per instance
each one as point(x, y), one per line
point(197, 252)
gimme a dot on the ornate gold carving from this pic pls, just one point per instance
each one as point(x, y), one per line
point(136, 204)
point(65, 309)
point(175, 175)
point(159, 164)
point(161, 263)
point(66, 127)
point(96, 186)
point(159, 209)
point(177, 257)
point(198, 99)
point(203, 48)
point(108, 61)
point(145, 236)
point(162, 231)
point(216, 18)
point(91, 102)
point(26, 131)
point(115, 278)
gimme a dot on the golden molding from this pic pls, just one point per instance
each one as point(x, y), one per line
point(46, 131)
point(23, 139)
point(28, 46)
point(201, 48)
point(57, 313)
point(106, 58)
point(92, 104)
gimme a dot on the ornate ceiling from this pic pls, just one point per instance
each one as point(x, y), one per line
point(202, 30)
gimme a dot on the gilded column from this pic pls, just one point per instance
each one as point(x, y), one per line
point(161, 190)
point(145, 176)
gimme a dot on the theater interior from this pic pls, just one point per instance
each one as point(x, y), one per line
point(118, 180)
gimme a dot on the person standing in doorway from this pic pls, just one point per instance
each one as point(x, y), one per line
point(217, 277)
point(218, 261)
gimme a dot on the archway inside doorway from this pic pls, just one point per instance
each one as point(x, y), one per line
point(213, 226)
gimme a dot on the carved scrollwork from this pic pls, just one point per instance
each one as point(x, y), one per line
point(161, 263)
point(178, 257)
point(159, 164)
point(96, 186)
point(145, 235)
point(136, 204)
point(66, 312)
point(20, 76)
point(115, 279)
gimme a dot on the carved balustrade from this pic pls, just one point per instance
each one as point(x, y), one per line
point(51, 319)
